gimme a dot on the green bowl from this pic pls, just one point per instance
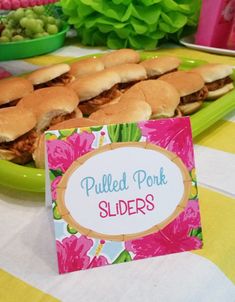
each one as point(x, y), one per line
point(34, 47)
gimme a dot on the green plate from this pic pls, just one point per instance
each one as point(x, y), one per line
point(26, 178)
point(34, 47)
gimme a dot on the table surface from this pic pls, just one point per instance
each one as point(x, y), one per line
point(27, 248)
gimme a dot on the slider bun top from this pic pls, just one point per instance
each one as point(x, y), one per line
point(39, 153)
point(161, 96)
point(161, 65)
point(120, 56)
point(130, 72)
point(92, 85)
point(14, 122)
point(47, 103)
point(48, 73)
point(213, 72)
point(85, 67)
point(185, 82)
point(133, 111)
point(14, 88)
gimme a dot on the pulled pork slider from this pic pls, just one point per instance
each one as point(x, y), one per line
point(85, 66)
point(133, 111)
point(121, 56)
point(51, 105)
point(217, 79)
point(17, 134)
point(53, 75)
point(96, 90)
point(161, 96)
point(191, 88)
point(12, 90)
point(158, 66)
point(129, 74)
point(39, 153)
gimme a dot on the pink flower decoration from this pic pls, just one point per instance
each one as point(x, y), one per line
point(173, 135)
point(173, 238)
point(62, 153)
point(54, 185)
point(72, 254)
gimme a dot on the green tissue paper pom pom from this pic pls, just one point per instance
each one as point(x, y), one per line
point(138, 24)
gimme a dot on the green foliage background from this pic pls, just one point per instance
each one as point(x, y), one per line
point(138, 24)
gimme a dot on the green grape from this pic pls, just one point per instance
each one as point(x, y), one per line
point(13, 23)
point(29, 33)
point(44, 19)
point(38, 29)
point(45, 34)
point(51, 20)
point(17, 38)
point(19, 14)
point(40, 22)
point(39, 10)
point(31, 24)
point(52, 29)
point(38, 35)
point(7, 33)
point(4, 39)
point(28, 11)
point(23, 22)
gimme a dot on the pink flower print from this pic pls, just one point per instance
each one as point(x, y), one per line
point(173, 238)
point(62, 153)
point(54, 185)
point(72, 254)
point(173, 135)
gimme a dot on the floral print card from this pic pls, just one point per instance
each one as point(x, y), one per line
point(123, 192)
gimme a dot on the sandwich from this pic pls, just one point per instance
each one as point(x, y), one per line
point(53, 75)
point(95, 90)
point(217, 79)
point(51, 106)
point(129, 74)
point(133, 111)
point(162, 97)
point(12, 90)
point(191, 88)
point(39, 153)
point(85, 66)
point(17, 134)
point(121, 56)
point(157, 67)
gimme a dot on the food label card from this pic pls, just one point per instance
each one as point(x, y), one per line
point(123, 192)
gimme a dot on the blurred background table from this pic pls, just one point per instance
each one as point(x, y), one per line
point(27, 248)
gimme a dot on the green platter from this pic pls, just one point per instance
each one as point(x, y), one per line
point(33, 47)
point(28, 178)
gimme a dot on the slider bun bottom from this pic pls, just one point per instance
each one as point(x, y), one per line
point(212, 95)
point(190, 107)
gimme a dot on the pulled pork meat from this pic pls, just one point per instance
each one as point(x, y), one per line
point(218, 84)
point(60, 118)
point(23, 147)
point(125, 86)
point(197, 96)
point(62, 80)
point(105, 97)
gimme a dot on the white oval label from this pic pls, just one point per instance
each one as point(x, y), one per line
point(123, 191)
